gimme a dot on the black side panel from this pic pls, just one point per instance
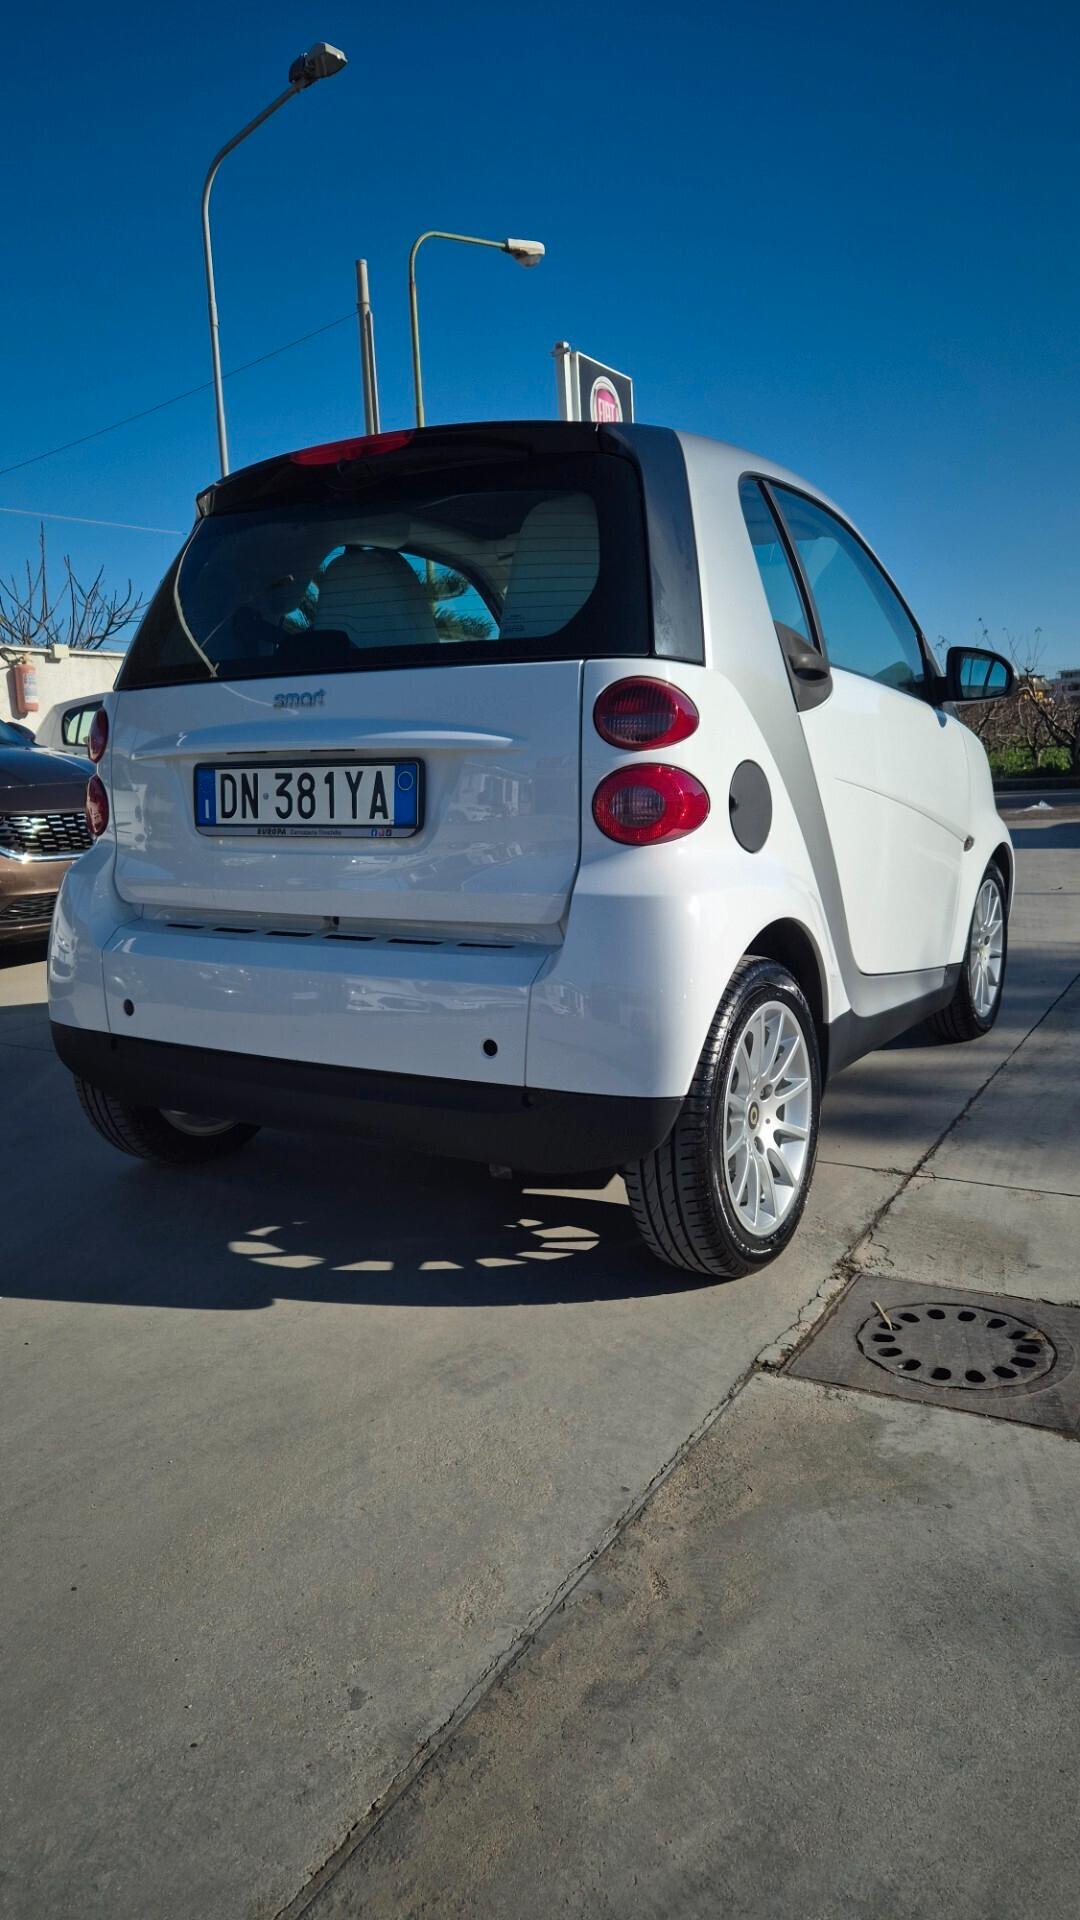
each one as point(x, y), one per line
point(807, 668)
point(513, 1126)
point(678, 628)
point(853, 1034)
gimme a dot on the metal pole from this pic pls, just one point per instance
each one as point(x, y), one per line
point(208, 257)
point(368, 371)
point(414, 324)
point(564, 381)
point(434, 233)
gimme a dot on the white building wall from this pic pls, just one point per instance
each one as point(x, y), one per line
point(60, 676)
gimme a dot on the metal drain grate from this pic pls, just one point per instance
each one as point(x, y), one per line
point(966, 1347)
point(1008, 1357)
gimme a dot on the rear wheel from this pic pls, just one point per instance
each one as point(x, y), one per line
point(977, 1001)
point(725, 1192)
point(175, 1138)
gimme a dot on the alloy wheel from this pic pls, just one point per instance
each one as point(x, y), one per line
point(986, 949)
point(767, 1118)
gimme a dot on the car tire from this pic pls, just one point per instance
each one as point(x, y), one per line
point(688, 1198)
point(976, 1003)
point(150, 1134)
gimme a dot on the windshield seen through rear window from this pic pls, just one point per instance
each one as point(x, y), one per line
point(545, 563)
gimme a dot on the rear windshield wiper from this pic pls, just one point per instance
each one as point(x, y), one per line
point(209, 664)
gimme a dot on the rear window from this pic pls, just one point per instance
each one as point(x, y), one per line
point(546, 561)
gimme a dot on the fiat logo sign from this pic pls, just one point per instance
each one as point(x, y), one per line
point(604, 403)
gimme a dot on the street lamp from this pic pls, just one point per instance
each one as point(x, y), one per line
point(528, 253)
point(318, 63)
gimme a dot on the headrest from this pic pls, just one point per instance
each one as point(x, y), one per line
point(554, 568)
point(376, 598)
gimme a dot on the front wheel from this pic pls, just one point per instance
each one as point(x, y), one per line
point(174, 1138)
point(977, 1001)
point(725, 1192)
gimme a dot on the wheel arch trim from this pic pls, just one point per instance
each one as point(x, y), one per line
point(791, 945)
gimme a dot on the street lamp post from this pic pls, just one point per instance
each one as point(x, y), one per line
point(528, 253)
point(318, 63)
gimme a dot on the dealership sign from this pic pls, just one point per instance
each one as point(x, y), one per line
point(590, 391)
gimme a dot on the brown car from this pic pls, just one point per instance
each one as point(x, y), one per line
point(42, 829)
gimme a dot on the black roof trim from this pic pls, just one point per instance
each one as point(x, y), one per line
point(284, 480)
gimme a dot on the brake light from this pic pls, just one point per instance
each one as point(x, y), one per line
point(644, 713)
point(99, 735)
point(332, 451)
point(641, 805)
point(97, 806)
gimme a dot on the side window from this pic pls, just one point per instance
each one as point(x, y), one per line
point(75, 726)
point(781, 587)
point(863, 623)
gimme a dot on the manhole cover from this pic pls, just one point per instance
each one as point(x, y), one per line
point(978, 1353)
point(956, 1346)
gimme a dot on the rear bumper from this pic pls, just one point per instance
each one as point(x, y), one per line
point(466, 1120)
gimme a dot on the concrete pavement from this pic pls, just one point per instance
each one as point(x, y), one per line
point(278, 1505)
point(830, 1669)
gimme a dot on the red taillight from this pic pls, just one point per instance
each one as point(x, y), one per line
point(97, 806)
point(332, 451)
point(640, 805)
point(99, 735)
point(644, 713)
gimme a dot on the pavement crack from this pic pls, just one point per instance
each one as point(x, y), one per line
point(1001, 1186)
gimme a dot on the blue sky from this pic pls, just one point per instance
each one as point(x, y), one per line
point(844, 236)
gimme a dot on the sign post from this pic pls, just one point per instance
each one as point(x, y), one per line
point(587, 390)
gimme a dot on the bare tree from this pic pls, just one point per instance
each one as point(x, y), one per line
point(77, 616)
point(1046, 717)
point(1058, 720)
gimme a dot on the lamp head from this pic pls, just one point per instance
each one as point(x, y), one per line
point(527, 253)
point(318, 63)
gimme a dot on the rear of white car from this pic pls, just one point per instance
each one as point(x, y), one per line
point(344, 791)
point(457, 792)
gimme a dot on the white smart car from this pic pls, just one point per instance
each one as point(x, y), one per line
point(558, 796)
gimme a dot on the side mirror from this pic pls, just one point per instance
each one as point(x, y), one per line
point(972, 673)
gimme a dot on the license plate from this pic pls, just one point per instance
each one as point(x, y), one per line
point(316, 799)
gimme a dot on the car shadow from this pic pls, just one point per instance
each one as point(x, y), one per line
point(921, 1036)
point(325, 1219)
point(23, 953)
point(306, 1216)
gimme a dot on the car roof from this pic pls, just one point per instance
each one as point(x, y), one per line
point(737, 461)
